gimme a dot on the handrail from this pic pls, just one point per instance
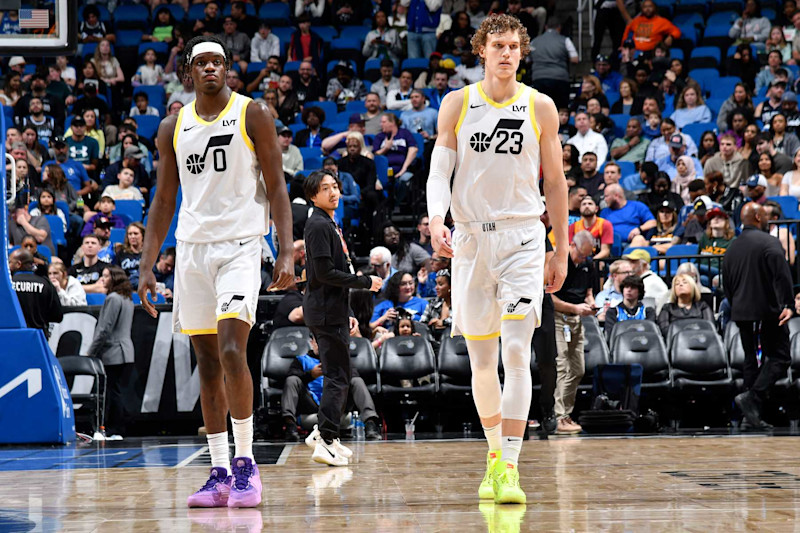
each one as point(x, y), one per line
point(581, 7)
point(10, 201)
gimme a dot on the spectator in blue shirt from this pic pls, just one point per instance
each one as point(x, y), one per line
point(399, 293)
point(629, 217)
point(75, 173)
point(83, 148)
point(420, 118)
point(400, 148)
point(351, 192)
point(441, 86)
point(677, 149)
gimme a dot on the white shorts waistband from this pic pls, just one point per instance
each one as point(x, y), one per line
point(492, 226)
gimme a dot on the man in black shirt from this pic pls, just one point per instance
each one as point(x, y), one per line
point(363, 171)
point(544, 347)
point(758, 285)
point(89, 270)
point(37, 297)
point(572, 302)
point(326, 311)
point(289, 311)
point(306, 85)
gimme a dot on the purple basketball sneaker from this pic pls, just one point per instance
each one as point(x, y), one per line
point(246, 489)
point(215, 492)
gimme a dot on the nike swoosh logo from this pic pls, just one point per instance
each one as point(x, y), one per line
point(189, 128)
point(471, 106)
point(242, 243)
point(526, 242)
point(330, 452)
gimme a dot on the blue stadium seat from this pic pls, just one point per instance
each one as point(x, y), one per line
point(626, 168)
point(723, 87)
point(337, 125)
point(89, 48)
point(359, 33)
point(148, 126)
point(456, 59)
point(330, 108)
point(130, 208)
point(196, 12)
point(307, 151)
point(706, 51)
point(176, 10)
point(117, 235)
point(296, 127)
point(732, 51)
point(688, 18)
point(768, 13)
point(678, 249)
point(57, 229)
point(160, 48)
point(291, 66)
point(326, 33)
point(715, 104)
point(788, 206)
point(665, 7)
point(415, 63)
point(722, 18)
point(689, 32)
point(156, 94)
point(706, 77)
point(345, 44)
point(128, 16)
point(731, 5)
point(95, 299)
point(45, 251)
point(696, 130)
point(283, 34)
point(420, 140)
point(620, 124)
point(313, 162)
point(275, 12)
point(255, 66)
point(692, 6)
point(250, 9)
point(356, 106)
point(129, 38)
point(676, 53)
point(382, 168)
point(632, 183)
point(716, 31)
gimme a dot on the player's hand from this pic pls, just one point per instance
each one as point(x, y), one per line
point(316, 371)
point(377, 283)
point(283, 274)
point(784, 317)
point(147, 283)
point(440, 238)
point(353, 326)
point(555, 271)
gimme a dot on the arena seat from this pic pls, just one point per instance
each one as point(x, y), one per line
point(455, 373)
point(645, 348)
point(57, 234)
point(276, 13)
point(794, 326)
point(687, 324)
point(326, 33)
point(131, 16)
point(696, 130)
point(95, 299)
point(117, 235)
point(156, 94)
point(698, 361)
point(629, 327)
point(129, 38)
point(148, 126)
point(595, 350)
point(359, 33)
point(95, 400)
point(365, 361)
point(281, 349)
point(177, 11)
point(788, 206)
point(407, 358)
point(130, 208)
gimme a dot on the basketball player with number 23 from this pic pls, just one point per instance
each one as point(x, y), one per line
point(497, 134)
point(217, 149)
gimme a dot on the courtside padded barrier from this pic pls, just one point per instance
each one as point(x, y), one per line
point(35, 405)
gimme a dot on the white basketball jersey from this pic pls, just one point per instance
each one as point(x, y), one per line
point(224, 195)
point(497, 167)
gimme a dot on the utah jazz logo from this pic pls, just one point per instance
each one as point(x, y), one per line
point(507, 129)
point(236, 298)
point(196, 163)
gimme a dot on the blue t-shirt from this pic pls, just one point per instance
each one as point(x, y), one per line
point(414, 305)
point(83, 151)
point(403, 140)
point(315, 385)
point(9, 26)
point(633, 215)
point(419, 121)
point(75, 173)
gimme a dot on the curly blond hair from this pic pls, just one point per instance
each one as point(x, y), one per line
point(495, 24)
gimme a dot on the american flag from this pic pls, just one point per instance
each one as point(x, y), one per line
point(34, 18)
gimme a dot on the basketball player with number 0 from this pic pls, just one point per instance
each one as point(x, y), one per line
point(497, 134)
point(216, 150)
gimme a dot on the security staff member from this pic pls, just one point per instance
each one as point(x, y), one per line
point(37, 297)
point(758, 285)
point(326, 311)
point(544, 347)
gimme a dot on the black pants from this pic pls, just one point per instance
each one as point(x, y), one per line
point(118, 378)
point(296, 399)
point(611, 20)
point(775, 353)
point(334, 354)
point(544, 346)
point(557, 90)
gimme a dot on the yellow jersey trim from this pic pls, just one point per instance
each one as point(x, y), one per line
point(175, 133)
point(199, 331)
point(228, 315)
point(464, 105)
point(247, 140)
point(482, 337)
point(504, 104)
point(222, 114)
point(513, 317)
point(535, 124)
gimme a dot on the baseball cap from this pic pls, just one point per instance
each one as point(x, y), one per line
point(134, 152)
point(447, 64)
point(78, 121)
point(703, 204)
point(435, 54)
point(789, 96)
point(59, 141)
point(283, 130)
point(103, 221)
point(668, 204)
point(601, 58)
point(757, 179)
point(107, 196)
point(16, 60)
point(716, 212)
point(638, 255)
point(343, 65)
point(676, 141)
point(776, 82)
point(356, 118)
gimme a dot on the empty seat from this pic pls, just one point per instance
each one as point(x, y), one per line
point(627, 326)
point(595, 353)
point(455, 373)
point(365, 361)
point(698, 360)
point(644, 347)
point(95, 399)
point(278, 355)
point(131, 208)
point(407, 358)
point(274, 12)
point(688, 324)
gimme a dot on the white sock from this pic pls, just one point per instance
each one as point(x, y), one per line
point(243, 437)
point(494, 436)
point(511, 448)
point(220, 451)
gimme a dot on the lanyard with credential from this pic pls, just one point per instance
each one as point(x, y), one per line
point(344, 248)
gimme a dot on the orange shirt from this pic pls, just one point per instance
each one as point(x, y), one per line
point(601, 230)
point(647, 33)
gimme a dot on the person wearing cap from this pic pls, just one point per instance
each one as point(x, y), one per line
point(102, 215)
point(677, 149)
point(336, 141)
point(587, 140)
point(629, 218)
point(789, 110)
point(758, 286)
point(655, 287)
point(45, 125)
point(772, 104)
point(770, 72)
point(715, 240)
point(75, 173)
point(82, 148)
point(17, 64)
point(383, 40)
point(314, 132)
point(691, 230)
point(387, 82)
point(609, 79)
point(729, 162)
point(290, 154)
point(344, 86)
point(400, 99)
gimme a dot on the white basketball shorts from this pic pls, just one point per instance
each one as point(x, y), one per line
point(497, 274)
point(215, 281)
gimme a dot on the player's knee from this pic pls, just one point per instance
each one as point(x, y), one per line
point(232, 354)
point(516, 354)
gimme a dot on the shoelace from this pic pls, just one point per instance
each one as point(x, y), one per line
point(211, 483)
point(242, 477)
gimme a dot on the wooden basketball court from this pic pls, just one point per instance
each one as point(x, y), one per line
point(727, 483)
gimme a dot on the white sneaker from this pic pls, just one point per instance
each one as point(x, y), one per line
point(328, 454)
point(314, 438)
